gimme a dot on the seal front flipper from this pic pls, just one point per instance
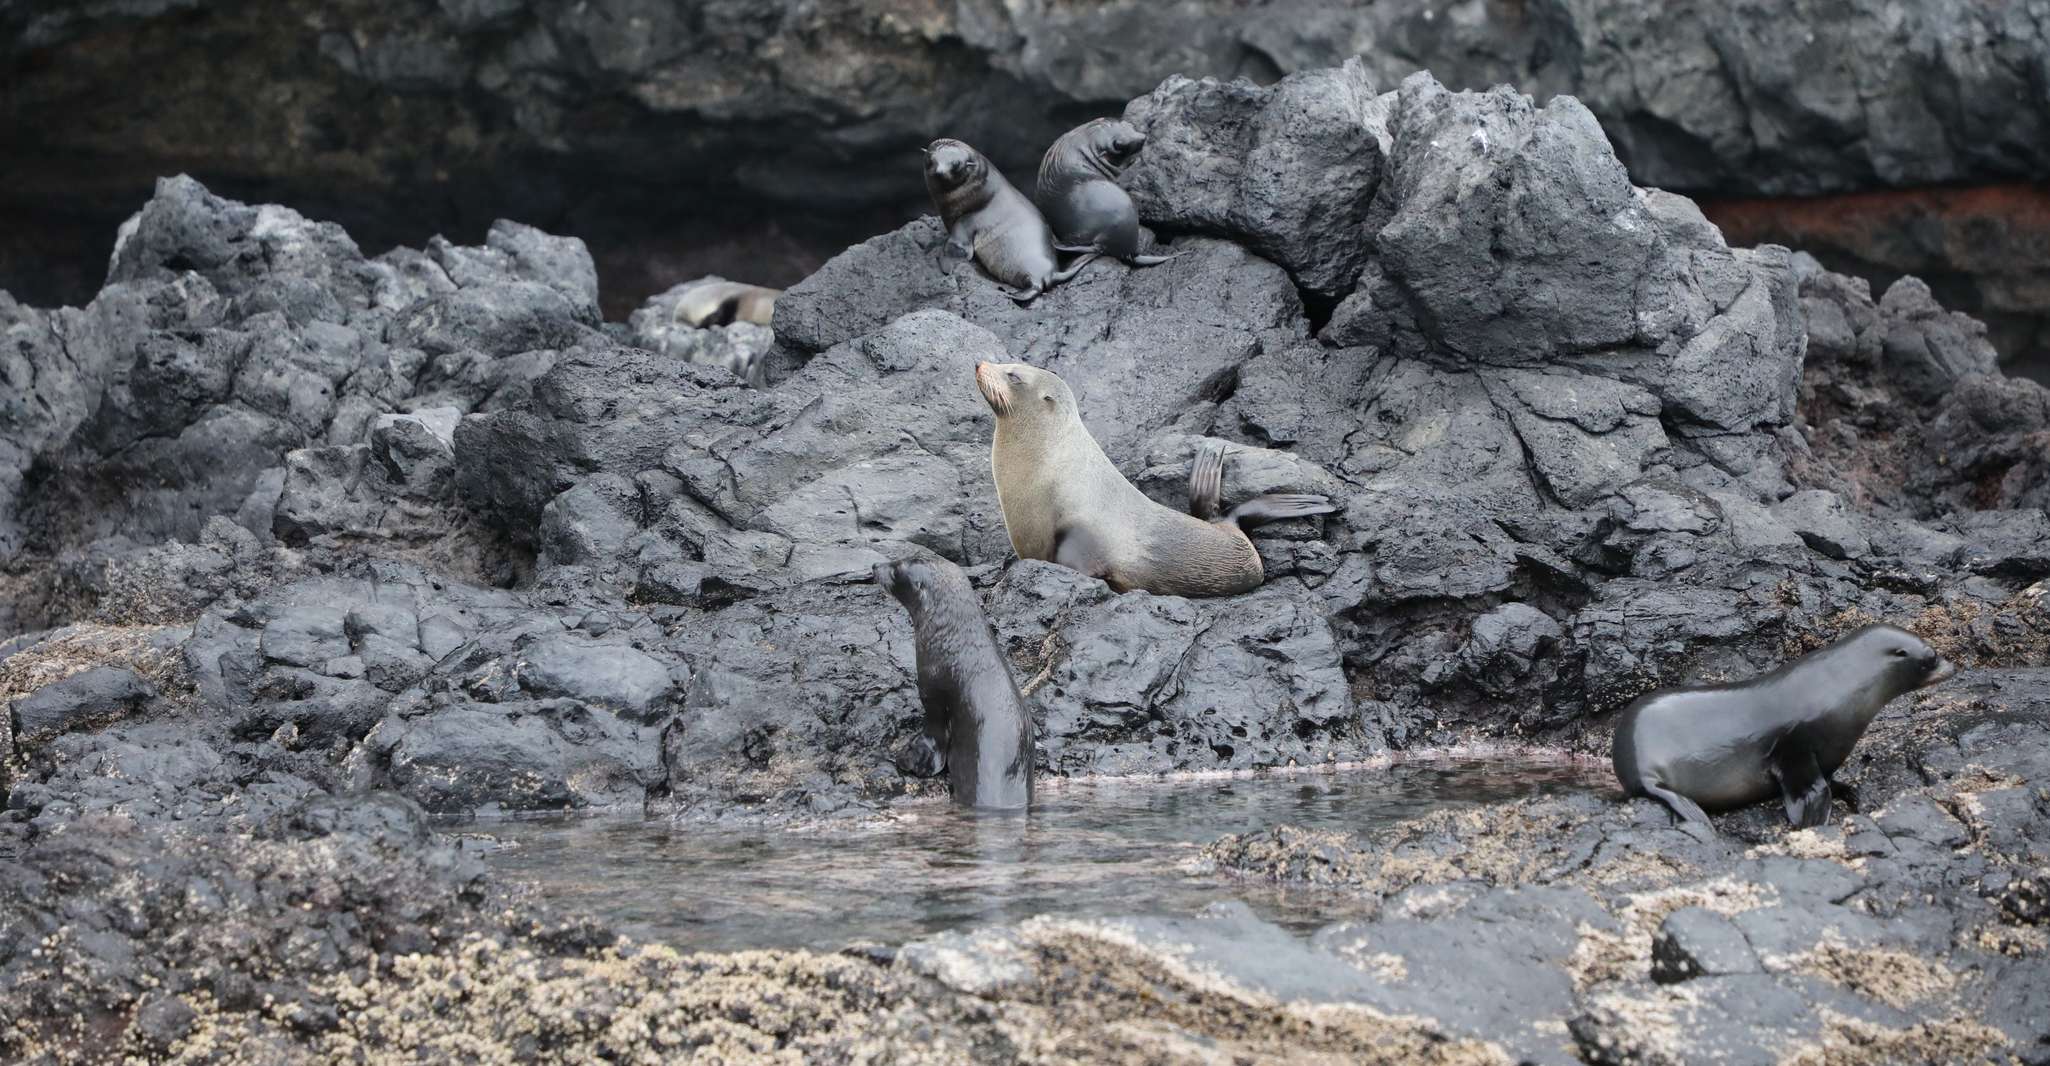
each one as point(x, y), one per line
point(1023, 296)
point(1278, 505)
point(923, 758)
point(1802, 785)
point(1077, 548)
point(1206, 481)
point(1688, 816)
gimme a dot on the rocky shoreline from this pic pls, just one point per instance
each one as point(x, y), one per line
point(302, 548)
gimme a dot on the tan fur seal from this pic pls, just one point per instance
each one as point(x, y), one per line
point(1080, 196)
point(988, 218)
point(722, 303)
point(1783, 734)
point(1063, 500)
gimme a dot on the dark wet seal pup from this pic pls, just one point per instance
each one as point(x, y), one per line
point(1064, 501)
point(988, 218)
point(1079, 193)
point(977, 727)
point(1783, 734)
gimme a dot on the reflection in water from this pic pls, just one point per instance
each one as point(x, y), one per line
point(1089, 849)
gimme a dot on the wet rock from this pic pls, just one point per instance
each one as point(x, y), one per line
point(85, 700)
point(163, 1021)
point(534, 755)
point(1693, 941)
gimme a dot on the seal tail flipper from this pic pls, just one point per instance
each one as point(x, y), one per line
point(1076, 249)
point(1074, 268)
point(1688, 816)
point(1206, 481)
point(1803, 787)
point(1150, 260)
point(1278, 505)
point(1023, 296)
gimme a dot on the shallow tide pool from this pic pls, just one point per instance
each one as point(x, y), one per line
point(1089, 849)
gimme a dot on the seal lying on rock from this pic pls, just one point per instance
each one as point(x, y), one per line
point(977, 727)
point(1063, 500)
point(987, 218)
point(722, 303)
point(1725, 746)
point(1079, 193)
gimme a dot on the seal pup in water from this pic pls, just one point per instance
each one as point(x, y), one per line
point(988, 218)
point(977, 725)
point(1723, 746)
point(1079, 193)
point(1063, 500)
point(722, 303)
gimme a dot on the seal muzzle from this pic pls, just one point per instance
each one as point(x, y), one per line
point(990, 381)
point(1944, 671)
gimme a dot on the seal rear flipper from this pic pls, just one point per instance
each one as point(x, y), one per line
point(1074, 268)
point(1802, 786)
point(1023, 296)
point(1206, 481)
point(1077, 249)
point(1076, 548)
point(923, 758)
point(1688, 816)
point(1150, 260)
point(1279, 505)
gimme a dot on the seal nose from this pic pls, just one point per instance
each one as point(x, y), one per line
point(881, 573)
point(987, 382)
point(1945, 669)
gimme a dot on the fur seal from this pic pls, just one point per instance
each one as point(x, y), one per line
point(1723, 746)
point(977, 727)
point(988, 218)
point(722, 303)
point(1063, 500)
point(1079, 193)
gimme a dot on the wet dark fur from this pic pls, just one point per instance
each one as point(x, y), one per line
point(1783, 734)
point(989, 219)
point(977, 727)
point(1079, 194)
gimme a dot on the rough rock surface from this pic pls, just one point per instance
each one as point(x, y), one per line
point(1582, 930)
point(625, 119)
point(420, 526)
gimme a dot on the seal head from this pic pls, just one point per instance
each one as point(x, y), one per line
point(978, 729)
point(1724, 746)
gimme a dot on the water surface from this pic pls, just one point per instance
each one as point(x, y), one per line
point(1089, 849)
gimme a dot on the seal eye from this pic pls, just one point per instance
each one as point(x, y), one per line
point(1899, 653)
point(1015, 379)
point(1048, 398)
